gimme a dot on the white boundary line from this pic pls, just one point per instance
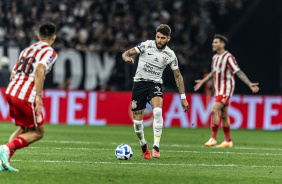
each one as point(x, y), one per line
point(164, 145)
point(154, 164)
point(174, 151)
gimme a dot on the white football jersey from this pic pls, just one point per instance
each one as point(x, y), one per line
point(153, 61)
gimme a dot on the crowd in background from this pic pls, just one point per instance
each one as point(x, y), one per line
point(117, 25)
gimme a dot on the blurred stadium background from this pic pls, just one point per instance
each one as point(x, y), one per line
point(92, 34)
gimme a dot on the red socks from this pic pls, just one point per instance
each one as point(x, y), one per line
point(226, 131)
point(214, 130)
point(11, 154)
point(18, 143)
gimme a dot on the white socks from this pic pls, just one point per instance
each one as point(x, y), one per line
point(157, 125)
point(139, 130)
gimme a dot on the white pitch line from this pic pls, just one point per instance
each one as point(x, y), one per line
point(176, 151)
point(154, 164)
point(164, 145)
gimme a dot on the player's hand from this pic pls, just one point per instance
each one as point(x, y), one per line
point(39, 104)
point(129, 60)
point(254, 87)
point(199, 83)
point(185, 105)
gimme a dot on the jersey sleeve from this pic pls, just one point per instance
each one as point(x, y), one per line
point(48, 60)
point(212, 69)
point(141, 47)
point(232, 64)
point(17, 64)
point(174, 64)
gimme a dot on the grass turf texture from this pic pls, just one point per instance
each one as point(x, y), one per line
point(85, 154)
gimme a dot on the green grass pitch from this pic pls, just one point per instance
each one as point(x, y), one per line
point(86, 154)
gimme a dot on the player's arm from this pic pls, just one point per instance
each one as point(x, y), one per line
point(39, 81)
point(12, 76)
point(180, 85)
point(253, 86)
point(199, 83)
point(126, 56)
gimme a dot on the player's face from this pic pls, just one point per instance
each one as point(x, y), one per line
point(217, 45)
point(161, 40)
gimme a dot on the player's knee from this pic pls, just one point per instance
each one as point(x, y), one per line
point(157, 112)
point(39, 135)
point(138, 125)
point(214, 112)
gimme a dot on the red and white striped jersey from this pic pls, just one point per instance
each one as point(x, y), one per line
point(224, 66)
point(22, 84)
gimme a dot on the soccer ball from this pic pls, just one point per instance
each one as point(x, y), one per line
point(124, 152)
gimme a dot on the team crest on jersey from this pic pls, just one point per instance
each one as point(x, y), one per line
point(133, 104)
point(164, 62)
point(51, 58)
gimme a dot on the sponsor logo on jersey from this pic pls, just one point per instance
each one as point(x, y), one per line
point(150, 54)
point(164, 62)
point(133, 104)
point(150, 69)
point(138, 45)
point(156, 59)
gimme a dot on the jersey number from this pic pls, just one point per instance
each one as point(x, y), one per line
point(26, 65)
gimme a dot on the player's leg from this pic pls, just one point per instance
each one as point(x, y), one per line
point(138, 105)
point(29, 135)
point(24, 117)
point(139, 130)
point(157, 104)
point(216, 108)
point(226, 128)
point(5, 154)
point(138, 125)
point(11, 152)
point(19, 131)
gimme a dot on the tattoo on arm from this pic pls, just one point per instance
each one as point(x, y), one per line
point(207, 78)
point(240, 74)
point(128, 53)
point(179, 81)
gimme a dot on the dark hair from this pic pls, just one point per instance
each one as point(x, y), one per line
point(164, 29)
point(47, 30)
point(221, 38)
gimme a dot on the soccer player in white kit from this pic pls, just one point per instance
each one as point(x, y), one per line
point(223, 67)
point(154, 56)
point(24, 93)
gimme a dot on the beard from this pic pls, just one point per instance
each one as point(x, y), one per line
point(163, 46)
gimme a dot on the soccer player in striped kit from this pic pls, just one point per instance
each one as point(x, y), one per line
point(223, 68)
point(24, 93)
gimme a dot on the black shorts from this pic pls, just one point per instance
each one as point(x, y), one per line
point(143, 92)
